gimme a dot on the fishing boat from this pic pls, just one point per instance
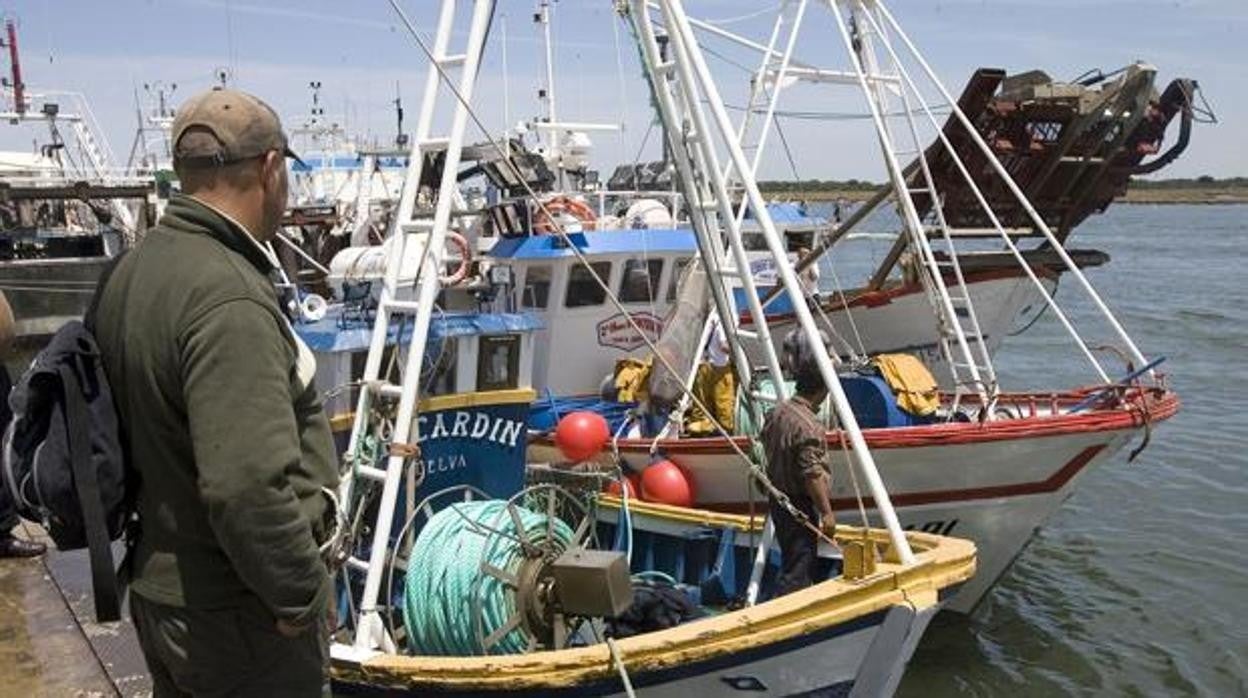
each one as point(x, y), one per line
point(1051, 136)
point(977, 460)
point(458, 581)
point(64, 209)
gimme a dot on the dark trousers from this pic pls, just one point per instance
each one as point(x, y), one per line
point(798, 548)
point(228, 652)
point(8, 512)
point(8, 509)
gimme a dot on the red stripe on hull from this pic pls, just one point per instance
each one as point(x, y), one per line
point(1053, 483)
point(948, 434)
point(870, 299)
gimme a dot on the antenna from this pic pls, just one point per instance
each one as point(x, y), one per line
point(400, 138)
point(223, 76)
point(161, 92)
point(316, 110)
point(547, 94)
point(502, 20)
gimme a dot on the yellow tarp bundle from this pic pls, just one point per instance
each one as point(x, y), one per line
point(716, 387)
point(911, 382)
point(632, 380)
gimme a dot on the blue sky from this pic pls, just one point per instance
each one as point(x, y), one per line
point(358, 52)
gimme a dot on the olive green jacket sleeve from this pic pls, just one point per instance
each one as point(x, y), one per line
point(236, 367)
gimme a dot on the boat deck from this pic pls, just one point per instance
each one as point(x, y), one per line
point(50, 644)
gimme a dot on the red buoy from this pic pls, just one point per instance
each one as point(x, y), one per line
point(581, 435)
point(665, 483)
point(632, 483)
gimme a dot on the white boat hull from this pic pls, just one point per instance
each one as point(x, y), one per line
point(902, 320)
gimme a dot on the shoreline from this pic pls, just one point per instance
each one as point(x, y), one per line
point(1199, 197)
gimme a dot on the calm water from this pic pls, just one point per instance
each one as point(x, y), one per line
point(1139, 585)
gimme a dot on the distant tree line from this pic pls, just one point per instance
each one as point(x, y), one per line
point(1201, 182)
point(818, 185)
point(811, 185)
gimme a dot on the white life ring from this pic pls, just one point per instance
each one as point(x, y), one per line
point(313, 307)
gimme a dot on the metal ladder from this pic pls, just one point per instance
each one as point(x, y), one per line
point(684, 92)
point(415, 225)
point(961, 341)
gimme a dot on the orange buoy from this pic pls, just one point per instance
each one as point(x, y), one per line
point(632, 483)
point(581, 435)
point(665, 482)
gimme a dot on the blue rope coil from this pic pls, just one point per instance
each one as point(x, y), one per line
point(446, 587)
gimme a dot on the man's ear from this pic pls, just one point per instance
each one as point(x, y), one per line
point(272, 161)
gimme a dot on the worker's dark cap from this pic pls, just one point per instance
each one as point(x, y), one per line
point(799, 358)
point(221, 126)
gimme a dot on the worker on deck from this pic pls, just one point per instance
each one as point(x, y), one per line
point(809, 277)
point(10, 545)
point(715, 385)
point(795, 446)
point(223, 424)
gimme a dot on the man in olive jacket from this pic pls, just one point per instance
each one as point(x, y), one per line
point(223, 424)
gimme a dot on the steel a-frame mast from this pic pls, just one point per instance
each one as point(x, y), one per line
point(696, 125)
point(893, 76)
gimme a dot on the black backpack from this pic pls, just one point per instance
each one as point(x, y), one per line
point(63, 461)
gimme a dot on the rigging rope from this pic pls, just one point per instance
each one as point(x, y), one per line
point(450, 604)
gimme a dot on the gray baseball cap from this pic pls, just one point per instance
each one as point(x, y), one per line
point(221, 126)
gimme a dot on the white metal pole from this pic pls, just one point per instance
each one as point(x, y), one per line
point(760, 77)
point(502, 21)
point(682, 48)
point(775, 94)
point(943, 305)
point(551, 115)
point(862, 454)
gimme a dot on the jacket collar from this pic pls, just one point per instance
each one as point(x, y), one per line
point(188, 214)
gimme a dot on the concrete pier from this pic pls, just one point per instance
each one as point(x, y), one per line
point(50, 644)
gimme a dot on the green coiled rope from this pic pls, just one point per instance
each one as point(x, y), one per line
point(446, 588)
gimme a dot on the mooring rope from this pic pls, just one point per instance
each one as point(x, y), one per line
point(451, 605)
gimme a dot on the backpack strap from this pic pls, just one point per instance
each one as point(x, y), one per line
point(103, 577)
point(88, 318)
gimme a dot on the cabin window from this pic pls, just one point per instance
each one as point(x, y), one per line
point(640, 281)
point(438, 372)
point(678, 270)
point(583, 289)
point(754, 242)
point(798, 241)
point(536, 292)
point(498, 362)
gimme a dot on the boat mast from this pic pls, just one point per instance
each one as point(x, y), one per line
point(547, 94)
point(685, 91)
point(15, 68)
point(892, 74)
